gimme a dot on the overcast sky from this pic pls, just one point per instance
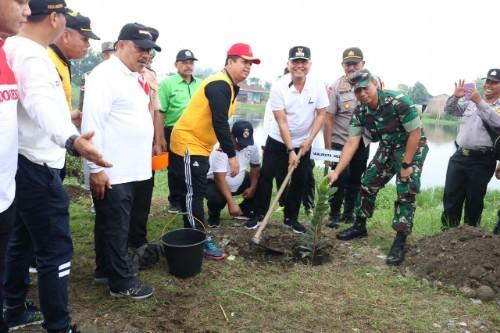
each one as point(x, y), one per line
point(434, 42)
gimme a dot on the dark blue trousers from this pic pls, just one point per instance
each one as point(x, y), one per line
point(42, 230)
point(7, 218)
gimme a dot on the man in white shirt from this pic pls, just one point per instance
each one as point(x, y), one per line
point(116, 107)
point(298, 104)
point(222, 187)
point(45, 130)
point(12, 14)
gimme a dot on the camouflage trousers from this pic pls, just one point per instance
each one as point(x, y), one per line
point(385, 164)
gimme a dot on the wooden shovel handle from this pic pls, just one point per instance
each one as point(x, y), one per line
point(258, 235)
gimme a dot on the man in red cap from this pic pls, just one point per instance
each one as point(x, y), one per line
point(205, 122)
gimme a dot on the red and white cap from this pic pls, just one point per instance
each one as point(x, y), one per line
point(243, 51)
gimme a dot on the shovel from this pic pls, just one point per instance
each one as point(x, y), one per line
point(258, 235)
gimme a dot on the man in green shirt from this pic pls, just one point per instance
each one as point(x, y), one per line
point(175, 93)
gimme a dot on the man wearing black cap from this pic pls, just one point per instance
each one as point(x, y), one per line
point(175, 93)
point(73, 44)
point(222, 187)
point(392, 119)
point(471, 167)
point(298, 104)
point(116, 107)
point(339, 113)
point(45, 134)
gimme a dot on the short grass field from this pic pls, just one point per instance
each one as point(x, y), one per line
point(354, 292)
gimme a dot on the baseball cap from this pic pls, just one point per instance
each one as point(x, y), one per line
point(140, 35)
point(242, 131)
point(80, 23)
point(185, 54)
point(45, 7)
point(107, 46)
point(243, 51)
point(360, 79)
point(352, 54)
point(299, 52)
point(493, 75)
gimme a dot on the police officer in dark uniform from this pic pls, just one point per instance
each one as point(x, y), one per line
point(471, 167)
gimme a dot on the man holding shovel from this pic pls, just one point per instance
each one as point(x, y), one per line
point(299, 105)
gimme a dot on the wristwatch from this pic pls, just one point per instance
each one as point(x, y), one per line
point(70, 145)
point(289, 150)
point(405, 165)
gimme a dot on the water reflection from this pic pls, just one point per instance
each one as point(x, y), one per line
point(441, 147)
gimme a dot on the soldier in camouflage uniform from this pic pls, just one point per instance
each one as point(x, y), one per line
point(391, 119)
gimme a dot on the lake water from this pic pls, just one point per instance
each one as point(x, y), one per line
point(441, 147)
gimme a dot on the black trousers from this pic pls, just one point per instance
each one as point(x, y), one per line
point(275, 165)
point(216, 201)
point(7, 218)
point(174, 196)
point(190, 182)
point(137, 234)
point(467, 178)
point(41, 230)
point(310, 190)
point(349, 181)
point(112, 222)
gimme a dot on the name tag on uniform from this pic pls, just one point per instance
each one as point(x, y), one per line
point(320, 154)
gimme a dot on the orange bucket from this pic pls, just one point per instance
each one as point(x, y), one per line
point(160, 162)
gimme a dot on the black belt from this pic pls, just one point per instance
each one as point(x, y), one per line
point(475, 152)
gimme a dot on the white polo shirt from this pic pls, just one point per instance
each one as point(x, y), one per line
point(8, 132)
point(300, 107)
point(116, 108)
point(44, 120)
point(219, 163)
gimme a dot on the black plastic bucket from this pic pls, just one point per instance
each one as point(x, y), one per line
point(184, 251)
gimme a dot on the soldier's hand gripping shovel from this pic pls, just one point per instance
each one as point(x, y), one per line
point(256, 239)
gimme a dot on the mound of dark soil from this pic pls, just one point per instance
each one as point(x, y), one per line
point(465, 257)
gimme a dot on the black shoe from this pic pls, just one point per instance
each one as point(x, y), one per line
point(72, 329)
point(213, 221)
point(356, 231)
point(333, 222)
point(23, 315)
point(174, 208)
point(295, 225)
point(254, 222)
point(138, 291)
point(347, 218)
point(397, 252)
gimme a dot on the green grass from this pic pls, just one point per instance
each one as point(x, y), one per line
point(353, 293)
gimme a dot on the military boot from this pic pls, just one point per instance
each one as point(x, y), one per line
point(358, 230)
point(397, 252)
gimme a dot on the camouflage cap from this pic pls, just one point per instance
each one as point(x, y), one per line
point(107, 46)
point(361, 79)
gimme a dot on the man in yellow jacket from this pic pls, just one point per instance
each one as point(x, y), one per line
point(204, 122)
